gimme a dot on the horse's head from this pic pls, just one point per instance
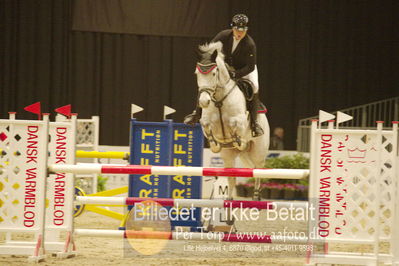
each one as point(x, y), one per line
point(211, 72)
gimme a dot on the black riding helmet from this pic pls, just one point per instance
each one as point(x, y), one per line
point(239, 22)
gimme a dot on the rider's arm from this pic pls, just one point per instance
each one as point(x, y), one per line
point(221, 36)
point(250, 55)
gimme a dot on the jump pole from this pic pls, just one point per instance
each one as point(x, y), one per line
point(214, 203)
point(174, 235)
point(197, 236)
point(180, 170)
point(103, 154)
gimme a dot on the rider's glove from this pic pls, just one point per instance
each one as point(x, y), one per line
point(232, 74)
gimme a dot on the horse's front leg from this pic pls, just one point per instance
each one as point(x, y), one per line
point(238, 128)
point(256, 195)
point(229, 156)
point(206, 127)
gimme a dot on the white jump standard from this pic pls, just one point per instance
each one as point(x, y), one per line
point(179, 170)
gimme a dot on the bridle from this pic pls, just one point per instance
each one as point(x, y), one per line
point(206, 69)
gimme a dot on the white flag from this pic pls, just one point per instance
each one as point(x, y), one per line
point(135, 109)
point(167, 111)
point(342, 117)
point(324, 116)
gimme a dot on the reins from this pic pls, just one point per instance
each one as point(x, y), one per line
point(218, 103)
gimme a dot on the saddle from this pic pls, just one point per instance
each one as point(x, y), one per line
point(247, 88)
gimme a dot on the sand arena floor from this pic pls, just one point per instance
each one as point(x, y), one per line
point(114, 251)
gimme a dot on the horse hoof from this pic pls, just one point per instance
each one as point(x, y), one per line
point(256, 197)
point(215, 148)
point(230, 221)
point(241, 147)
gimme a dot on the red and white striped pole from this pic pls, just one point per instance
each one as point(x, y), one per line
point(179, 170)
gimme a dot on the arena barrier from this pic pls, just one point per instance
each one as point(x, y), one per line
point(353, 179)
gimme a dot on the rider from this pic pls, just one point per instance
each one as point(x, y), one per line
point(240, 54)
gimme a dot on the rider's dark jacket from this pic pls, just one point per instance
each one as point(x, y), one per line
point(244, 57)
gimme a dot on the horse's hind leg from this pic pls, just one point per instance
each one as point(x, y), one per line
point(255, 158)
point(260, 163)
point(256, 195)
point(229, 156)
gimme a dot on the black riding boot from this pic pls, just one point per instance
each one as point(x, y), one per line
point(194, 117)
point(253, 109)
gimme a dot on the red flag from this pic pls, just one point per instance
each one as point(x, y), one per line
point(34, 108)
point(64, 110)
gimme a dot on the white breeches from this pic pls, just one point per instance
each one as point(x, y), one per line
point(253, 77)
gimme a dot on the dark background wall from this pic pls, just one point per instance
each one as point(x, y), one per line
point(101, 56)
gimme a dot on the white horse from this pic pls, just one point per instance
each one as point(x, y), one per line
point(225, 120)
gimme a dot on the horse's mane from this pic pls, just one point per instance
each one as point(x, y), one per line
point(209, 48)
